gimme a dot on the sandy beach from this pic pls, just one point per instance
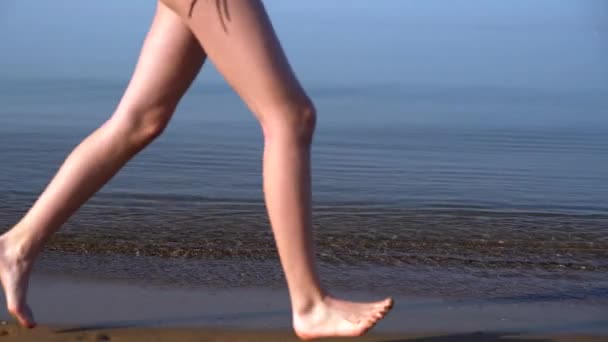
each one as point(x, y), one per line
point(11, 333)
point(73, 309)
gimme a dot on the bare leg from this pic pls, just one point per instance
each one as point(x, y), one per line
point(238, 37)
point(170, 59)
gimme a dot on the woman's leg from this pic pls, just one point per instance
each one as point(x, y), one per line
point(238, 37)
point(170, 59)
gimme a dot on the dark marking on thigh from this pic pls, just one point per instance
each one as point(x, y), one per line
point(222, 11)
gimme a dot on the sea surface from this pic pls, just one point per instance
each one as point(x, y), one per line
point(461, 171)
point(392, 193)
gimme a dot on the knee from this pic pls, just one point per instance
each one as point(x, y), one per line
point(139, 126)
point(292, 121)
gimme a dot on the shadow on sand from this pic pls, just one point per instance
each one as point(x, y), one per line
point(474, 337)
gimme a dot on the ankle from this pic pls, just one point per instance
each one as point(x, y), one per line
point(15, 245)
point(307, 305)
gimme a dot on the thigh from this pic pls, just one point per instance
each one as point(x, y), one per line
point(238, 37)
point(169, 61)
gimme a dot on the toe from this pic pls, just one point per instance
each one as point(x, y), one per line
point(384, 311)
point(384, 304)
point(24, 316)
point(370, 323)
point(388, 304)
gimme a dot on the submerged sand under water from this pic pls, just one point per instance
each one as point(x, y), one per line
point(525, 256)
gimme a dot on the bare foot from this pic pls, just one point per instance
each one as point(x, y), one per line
point(14, 274)
point(338, 318)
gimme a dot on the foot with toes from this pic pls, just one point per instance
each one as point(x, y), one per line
point(14, 274)
point(332, 317)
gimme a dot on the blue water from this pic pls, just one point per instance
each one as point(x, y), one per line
point(380, 155)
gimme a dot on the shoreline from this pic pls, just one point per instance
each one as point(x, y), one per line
point(71, 307)
point(11, 332)
point(451, 283)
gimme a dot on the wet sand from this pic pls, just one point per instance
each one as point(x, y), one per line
point(48, 334)
point(74, 309)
